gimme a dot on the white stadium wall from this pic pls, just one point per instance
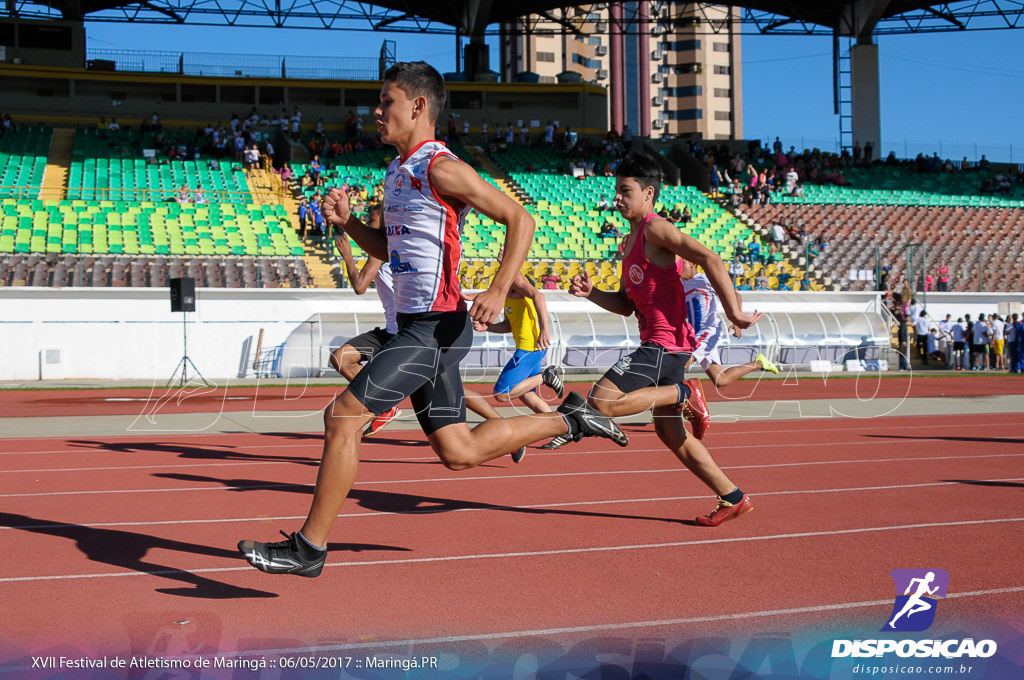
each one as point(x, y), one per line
point(132, 334)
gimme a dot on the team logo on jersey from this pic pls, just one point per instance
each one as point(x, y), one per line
point(397, 230)
point(636, 274)
point(399, 267)
point(916, 592)
point(396, 190)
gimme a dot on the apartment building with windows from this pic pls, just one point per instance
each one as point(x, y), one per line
point(670, 69)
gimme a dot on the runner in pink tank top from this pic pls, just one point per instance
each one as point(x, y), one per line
point(658, 296)
point(653, 376)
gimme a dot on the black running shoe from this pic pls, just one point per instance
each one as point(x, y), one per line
point(293, 556)
point(586, 422)
point(551, 378)
point(518, 454)
point(558, 442)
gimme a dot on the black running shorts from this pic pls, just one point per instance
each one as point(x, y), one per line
point(648, 366)
point(370, 342)
point(421, 362)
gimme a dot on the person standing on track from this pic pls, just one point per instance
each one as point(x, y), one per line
point(427, 193)
point(653, 376)
point(702, 307)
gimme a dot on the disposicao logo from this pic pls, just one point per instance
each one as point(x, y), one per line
point(914, 611)
point(917, 591)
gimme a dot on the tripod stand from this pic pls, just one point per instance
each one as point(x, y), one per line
point(185, 360)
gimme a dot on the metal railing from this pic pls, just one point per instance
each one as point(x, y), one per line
point(235, 65)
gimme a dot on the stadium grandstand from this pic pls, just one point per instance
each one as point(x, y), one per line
point(135, 202)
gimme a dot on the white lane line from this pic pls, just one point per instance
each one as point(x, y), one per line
point(542, 553)
point(228, 462)
point(170, 438)
point(477, 478)
point(484, 507)
point(626, 625)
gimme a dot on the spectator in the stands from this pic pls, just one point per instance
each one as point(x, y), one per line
point(791, 179)
point(550, 281)
point(736, 270)
point(251, 159)
point(316, 212)
point(200, 197)
point(739, 249)
point(316, 170)
point(184, 195)
point(742, 284)
point(778, 234)
point(609, 230)
point(603, 204)
point(761, 280)
point(305, 217)
point(754, 250)
point(7, 125)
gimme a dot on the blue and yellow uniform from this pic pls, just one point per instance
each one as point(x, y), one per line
point(521, 315)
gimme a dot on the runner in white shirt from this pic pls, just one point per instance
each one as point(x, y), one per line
point(348, 359)
point(427, 192)
point(702, 310)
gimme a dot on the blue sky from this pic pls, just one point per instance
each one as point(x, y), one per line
point(960, 94)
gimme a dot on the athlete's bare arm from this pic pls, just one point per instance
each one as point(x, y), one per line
point(613, 301)
point(360, 278)
point(663, 234)
point(453, 179)
point(336, 210)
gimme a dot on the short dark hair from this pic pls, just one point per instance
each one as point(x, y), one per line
point(420, 79)
point(642, 167)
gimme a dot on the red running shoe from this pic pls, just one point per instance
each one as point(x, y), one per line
point(725, 512)
point(695, 409)
point(378, 423)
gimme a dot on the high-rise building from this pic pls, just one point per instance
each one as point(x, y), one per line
point(671, 69)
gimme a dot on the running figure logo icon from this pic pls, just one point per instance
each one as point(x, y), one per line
point(916, 593)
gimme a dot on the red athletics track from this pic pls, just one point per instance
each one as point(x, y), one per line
point(126, 544)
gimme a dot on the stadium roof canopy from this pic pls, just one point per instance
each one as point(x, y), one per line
point(479, 17)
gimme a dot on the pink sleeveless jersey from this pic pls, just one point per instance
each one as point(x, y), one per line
point(658, 296)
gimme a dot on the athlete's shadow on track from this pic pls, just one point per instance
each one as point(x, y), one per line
point(985, 482)
point(128, 550)
point(191, 452)
point(990, 440)
point(402, 503)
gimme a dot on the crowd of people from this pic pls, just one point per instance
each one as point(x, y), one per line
point(785, 172)
point(990, 342)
